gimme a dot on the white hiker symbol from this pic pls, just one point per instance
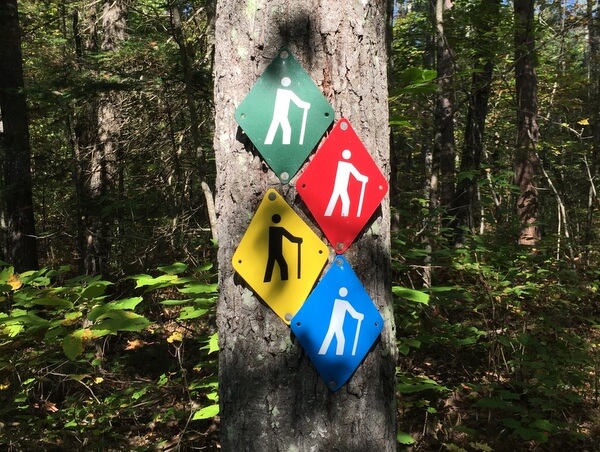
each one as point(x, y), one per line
point(281, 114)
point(336, 325)
point(340, 188)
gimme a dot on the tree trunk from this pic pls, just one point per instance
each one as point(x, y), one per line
point(526, 161)
point(593, 18)
point(98, 150)
point(271, 397)
point(465, 200)
point(21, 245)
point(444, 147)
point(177, 30)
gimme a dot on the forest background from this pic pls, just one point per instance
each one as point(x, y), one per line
point(107, 287)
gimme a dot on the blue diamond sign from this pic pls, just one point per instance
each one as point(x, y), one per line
point(338, 324)
point(285, 115)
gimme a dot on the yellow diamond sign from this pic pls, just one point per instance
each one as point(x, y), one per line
point(279, 256)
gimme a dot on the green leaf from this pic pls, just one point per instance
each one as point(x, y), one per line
point(117, 320)
point(147, 280)
point(95, 290)
point(405, 438)
point(73, 344)
point(6, 273)
point(190, 312)
point(408, 384)
point(411, 294)
point(543, 424)
point(212, 344)
point(206, 412)
point(175, 269)
point(124, 304)
point(54, 302)
point(481, 446)
point(175, 302)
point(511, 422)
point(199, 287)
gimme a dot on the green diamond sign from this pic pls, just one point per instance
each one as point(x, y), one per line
point(284, 115)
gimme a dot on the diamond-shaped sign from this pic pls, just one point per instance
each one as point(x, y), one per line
point(284, 115)
point(279, 256)
point(338, 324)
point(342, 186)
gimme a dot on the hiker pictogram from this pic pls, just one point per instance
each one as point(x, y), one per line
point(341, 307)
point(281, 112)
point(344, 170)
point(275, 254)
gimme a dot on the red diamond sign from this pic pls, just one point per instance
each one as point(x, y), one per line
point(342, 186)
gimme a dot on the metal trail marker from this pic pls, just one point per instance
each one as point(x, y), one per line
point(285, 115)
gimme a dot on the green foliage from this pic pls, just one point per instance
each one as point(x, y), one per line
point(511, 341)
point(110, 333)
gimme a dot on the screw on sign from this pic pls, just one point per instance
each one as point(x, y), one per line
point(284, 115)
point(342, 186)
point(279, 256)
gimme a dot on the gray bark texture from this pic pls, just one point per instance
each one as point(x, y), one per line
point(97, 148)
point(526, 160)
point(21, 241)
point(272, 398)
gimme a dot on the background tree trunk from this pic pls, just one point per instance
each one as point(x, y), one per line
point(465, 200)
point(21, 245)
point(593, 18)
point(271, 396)
point(97, 149)
point(526, 161)
point(444, 146)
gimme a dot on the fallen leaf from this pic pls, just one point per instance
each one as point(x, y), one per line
point(14, 282)
point(176, 336)
point(134, 344)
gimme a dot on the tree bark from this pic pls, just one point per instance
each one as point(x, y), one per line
point(98, 150)
point(526, 161)
point(593, 18)
point(465, 200)
point(21, 245)
point(271, 397)
point(444, 145)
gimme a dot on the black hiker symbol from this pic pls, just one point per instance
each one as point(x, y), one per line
point(276, 235)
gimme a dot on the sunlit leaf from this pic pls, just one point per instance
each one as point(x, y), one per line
point(411, 294)
point(206, 412)
point(175, 337)
point(134, 344)
point(175, 269)
point(14, 282)
point(199, 287)
point(190, 312)
point(404, 438)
